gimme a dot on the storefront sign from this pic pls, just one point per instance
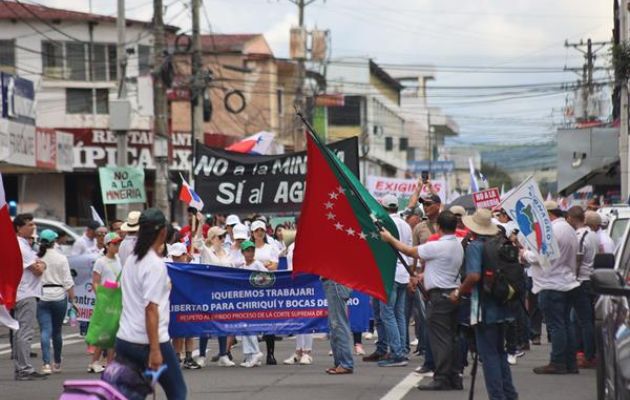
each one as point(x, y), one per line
point(65, 151)
point(46, 148)
point(122, 185)
point(401, 188)
point(231, 182)
point(17, 120)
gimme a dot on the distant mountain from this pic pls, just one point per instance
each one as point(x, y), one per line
point(521, 157)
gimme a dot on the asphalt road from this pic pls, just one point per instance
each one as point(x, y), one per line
point(302, 382)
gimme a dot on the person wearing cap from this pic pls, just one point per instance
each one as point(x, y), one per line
point(142, 337)
point(87, 242)
point(240, 234)
point(230, 222)
point(212, 251)
point(555, 284)
point(443, 259)
point(598, 223)
point(130, 227)
point(57, 291)
point(487, 316)
point(28, 292)
point(582, 298)
point(107, 269)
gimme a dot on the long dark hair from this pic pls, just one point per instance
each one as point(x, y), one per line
point(44, 245)
point(147, 234)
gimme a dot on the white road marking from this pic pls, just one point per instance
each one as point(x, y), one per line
point(403, 387)
point(6, 348)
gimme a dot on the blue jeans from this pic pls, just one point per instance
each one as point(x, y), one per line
point(556, 308)
point(381, 340)
point(581, 299)
point(203, 345)
point(339, 326)
point(50, 316)
point(172, 380)
point(496, 370)
point(393, 320)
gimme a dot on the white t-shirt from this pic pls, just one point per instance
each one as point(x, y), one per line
point(443, 260)
point(404, 234)
point(208, 255)
point(126, 248)
point(560, 275)
point(267, 253)
point(589, 248)
point(108, 268)
point(255, 266)
point(236, 257)
point(57, 273)
point(143, 282)
point(606, 244)
point(84, 245)
point(30, 285)
point(290, 250)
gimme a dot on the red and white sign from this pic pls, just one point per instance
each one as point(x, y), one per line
point(46, 148)
point(488, 198)
point(401, 188)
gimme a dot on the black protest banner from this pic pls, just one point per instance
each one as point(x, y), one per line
point(238, 183)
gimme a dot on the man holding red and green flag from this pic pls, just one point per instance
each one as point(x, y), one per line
point(338, 240)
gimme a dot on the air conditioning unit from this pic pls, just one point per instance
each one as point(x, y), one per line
point(319, 46)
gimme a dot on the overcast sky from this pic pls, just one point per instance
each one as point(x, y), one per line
point(516, 42)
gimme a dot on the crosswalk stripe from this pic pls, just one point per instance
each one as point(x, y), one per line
point(403, 387)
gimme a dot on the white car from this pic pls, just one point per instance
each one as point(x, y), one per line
point(73, 233)
point(618, 216)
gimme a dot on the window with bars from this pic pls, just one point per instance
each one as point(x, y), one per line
point(87, 101)
point(7, 55)
point(52, 59)
point(70, 60)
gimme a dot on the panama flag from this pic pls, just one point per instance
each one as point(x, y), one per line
point(474, 185)
point(259, 143)
point(188, 195)
point(11, 271)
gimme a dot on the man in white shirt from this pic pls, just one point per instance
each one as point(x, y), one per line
point(87, 242)
point(596, 222)
point(29, 290)
point(130, 227)
point(588, 247)
point(556, 283)
point(443, 260)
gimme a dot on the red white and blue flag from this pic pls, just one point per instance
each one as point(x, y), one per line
point(188, 195)
point(259, 143)
point(12, 268)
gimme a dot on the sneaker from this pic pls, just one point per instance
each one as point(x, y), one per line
point(552, 369)
point(224, 361)
point(189, 363)
point(46, 369)
point(306, 359)
point(358, 349)
point(201, 361)
point(519, 353)
point(393, 362)
point(292, 360)
point(375, 357)
point(512, 359)
point(253, 361)
point(32, 376)
point(56, 368)
point(91, 349)
point(424, 370)
point(95, 368)
point(414, 342)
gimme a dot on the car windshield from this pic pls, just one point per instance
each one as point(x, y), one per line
point(618, 229)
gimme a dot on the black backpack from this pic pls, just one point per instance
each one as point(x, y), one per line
point(502, 273)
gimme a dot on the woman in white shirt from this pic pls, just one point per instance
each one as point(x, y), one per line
point(213, 250)
point(143, 338)
point(57, 286)
point(107, 270)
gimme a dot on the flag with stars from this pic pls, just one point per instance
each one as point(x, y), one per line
point(336, 238)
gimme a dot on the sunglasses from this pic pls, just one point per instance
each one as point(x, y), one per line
point(222, 237)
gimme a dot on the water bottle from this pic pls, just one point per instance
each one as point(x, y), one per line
point(73, 317)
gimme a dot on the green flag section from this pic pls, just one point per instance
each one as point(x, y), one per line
point(122, 185)
point(336, 238)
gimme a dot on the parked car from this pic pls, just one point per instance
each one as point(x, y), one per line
point(611, 280)
point(618, 216)
point(72, 233)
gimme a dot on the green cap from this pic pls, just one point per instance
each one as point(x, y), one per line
point(248, 244)
point(153, 216)
point(48, 235)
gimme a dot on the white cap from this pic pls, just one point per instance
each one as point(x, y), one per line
point(232, 220)
point(240, 232)
point(389, 201)
point(176, 249)
point(258, 225)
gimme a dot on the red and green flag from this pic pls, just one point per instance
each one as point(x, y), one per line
point(336, 236)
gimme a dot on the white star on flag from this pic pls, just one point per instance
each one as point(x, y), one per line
point(328, 205)
point(333, 195)
point(330, 216)
point(339, 226)
point(375, 235)
point(350, 231)
point(362, 235)
point(341, 190)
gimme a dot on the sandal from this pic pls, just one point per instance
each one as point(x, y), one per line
point(339, 371)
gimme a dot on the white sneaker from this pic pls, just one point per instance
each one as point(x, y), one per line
point(292, 360)
point(358, 349)
point(56, 368)
point(254, 361)
point(201, 361)
point(46, 369)
point(95, 368)
point(512, 359)
point(306, 359)
point(414, 342)
point(224, 361)
point(330, 353)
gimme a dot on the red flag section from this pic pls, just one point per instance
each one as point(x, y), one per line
point(11, 268)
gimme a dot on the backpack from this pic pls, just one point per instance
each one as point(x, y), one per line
point(502, 273)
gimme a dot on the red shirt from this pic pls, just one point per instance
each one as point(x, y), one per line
point(460, 233)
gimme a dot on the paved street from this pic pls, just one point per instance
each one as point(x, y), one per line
point(302, 382)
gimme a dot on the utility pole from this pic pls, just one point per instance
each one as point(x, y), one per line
point(160, 110)
point(121, 69)
point(197, 85)
point(623, 109)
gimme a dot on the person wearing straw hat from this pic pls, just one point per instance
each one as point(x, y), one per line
point(130, 227)
point(487, 316)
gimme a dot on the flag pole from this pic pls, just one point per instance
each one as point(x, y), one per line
point(375, 221)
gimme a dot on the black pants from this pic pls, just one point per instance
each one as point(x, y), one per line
point(535, 314)
point(443, 338)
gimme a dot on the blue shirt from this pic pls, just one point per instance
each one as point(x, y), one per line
point(489, 311)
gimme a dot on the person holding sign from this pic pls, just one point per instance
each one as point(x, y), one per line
point(143, 339)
